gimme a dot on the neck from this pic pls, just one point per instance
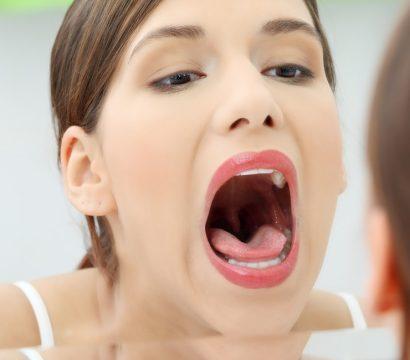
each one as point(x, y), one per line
point(143, 313)
point(146, 321)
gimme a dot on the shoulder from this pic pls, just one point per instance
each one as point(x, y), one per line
point(324, 311)
point(18, 324)
point(70, 301)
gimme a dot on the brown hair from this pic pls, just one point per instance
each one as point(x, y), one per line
point(88, 47)
point(389, 153)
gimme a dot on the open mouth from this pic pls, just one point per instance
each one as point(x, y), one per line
point(250, 221)
point(249, 229)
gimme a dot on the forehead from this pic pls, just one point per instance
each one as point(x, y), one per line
point(223, 18)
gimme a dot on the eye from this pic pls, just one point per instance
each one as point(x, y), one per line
point(290, 72)
point(176, 81)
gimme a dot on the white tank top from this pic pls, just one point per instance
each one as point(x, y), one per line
point(31, 354)
point(358, 319)
point(43, 320)
point(46, 330)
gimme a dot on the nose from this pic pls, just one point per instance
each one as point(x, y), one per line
point(248, 103)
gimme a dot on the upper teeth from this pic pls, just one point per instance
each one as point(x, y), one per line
point(256, 172)
point(277, 177)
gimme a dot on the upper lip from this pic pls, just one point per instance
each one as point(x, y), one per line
point(268, 159)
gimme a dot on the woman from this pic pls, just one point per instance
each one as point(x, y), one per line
point(389, 150)
point(157, 110)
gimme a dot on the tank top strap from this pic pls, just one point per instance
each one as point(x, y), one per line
point(40, 312)
point(31, 354)
point(359, 321)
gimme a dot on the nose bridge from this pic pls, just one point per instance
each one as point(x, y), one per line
point(246, 98)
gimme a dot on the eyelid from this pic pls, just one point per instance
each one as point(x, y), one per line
point(180, 65)
point(307, 73)
point(176, 73)
point(157, 86)
point(288, 64)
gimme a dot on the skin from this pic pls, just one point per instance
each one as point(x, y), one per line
point(153, 155)
point(80, 322)
point(288, 347)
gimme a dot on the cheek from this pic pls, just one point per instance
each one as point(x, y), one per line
point(148, 153)
point(320, 137)
point(316, 125)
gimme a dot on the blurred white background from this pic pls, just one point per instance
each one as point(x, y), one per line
point(41, 234)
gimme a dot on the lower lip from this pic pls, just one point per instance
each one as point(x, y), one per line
point(256, 278)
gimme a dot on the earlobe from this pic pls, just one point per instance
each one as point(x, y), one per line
point(86, 181)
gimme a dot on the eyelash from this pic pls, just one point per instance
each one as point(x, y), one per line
point(291, 73)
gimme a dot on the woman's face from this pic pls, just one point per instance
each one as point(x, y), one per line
point(163, 139)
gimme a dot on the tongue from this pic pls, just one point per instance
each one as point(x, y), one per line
point(265, 244)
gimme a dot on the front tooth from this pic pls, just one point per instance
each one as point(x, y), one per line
point(257, 265)
point(274, 262)
point(255, 172)
point(248, 172)
point(253, 265)
point(265, 171)
point(232, 262)
point(278, 179)
point(263, 264)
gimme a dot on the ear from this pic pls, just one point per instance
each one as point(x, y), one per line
point(384, 294)
point(86, 181)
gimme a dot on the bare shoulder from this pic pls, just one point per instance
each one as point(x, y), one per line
point(324, 311)
point(62, 353)
point(71, 302)
point(71, 287)
point(18, 324)
point(329, 311)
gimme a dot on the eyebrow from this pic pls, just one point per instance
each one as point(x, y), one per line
point(194, 32)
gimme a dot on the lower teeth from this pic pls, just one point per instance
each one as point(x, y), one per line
point(267, 263)
point(256, 265)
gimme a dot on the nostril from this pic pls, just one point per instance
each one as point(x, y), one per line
point(237, 122)
point(269, 121)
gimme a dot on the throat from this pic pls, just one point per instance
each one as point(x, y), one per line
point(251, 221)
point(245, 221)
